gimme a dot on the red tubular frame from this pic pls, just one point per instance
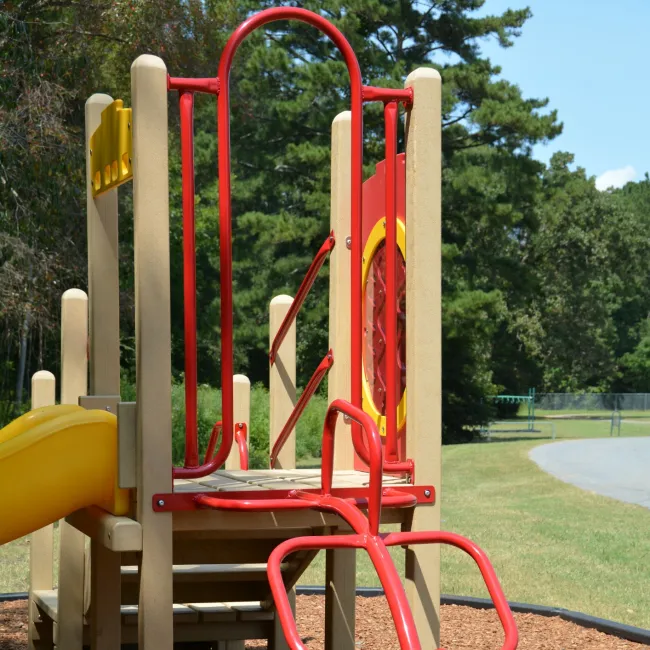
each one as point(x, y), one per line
point(225, 210)
point(393, 589)
point(301, 405)
point(301, 294)
point(392, 379)
point(186, 106)
point(375, 94)
point(206, 85)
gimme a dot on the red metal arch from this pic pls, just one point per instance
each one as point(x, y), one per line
point(225, 230)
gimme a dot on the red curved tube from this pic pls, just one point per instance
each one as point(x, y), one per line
point(217, 461)
point(212, 443)
point(376, 546)
point(225, 210)
point(485, 567)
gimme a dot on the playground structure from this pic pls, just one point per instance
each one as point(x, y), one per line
point(529, 401)
point(200, 554)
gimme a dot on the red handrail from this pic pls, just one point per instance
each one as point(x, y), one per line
point(241, 433)
point(301, 294)
point(186, 106)
point(301, 405)
point(225, 208)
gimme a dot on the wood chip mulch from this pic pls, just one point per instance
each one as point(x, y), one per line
point(463, 628)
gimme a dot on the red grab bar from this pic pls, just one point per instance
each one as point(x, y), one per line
point(225, 208)
point(301, 294)
point(241, 433)
point(376, 546)
point(301, 405)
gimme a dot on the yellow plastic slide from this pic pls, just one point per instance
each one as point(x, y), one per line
point(55, 460)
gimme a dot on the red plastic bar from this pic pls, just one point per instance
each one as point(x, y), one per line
point(402, 496)
point(225, 208)
point(301, 405)
point(485, 567)
point(209, 465)
point(375, 94)
point(392, 378)
point(389, 578)
point(186, 105)
point(208, 85)
point(301, 294)
point(241, 432)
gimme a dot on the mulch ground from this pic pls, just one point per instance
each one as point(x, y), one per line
point(463, 628)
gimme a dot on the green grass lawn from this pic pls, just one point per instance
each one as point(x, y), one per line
point(550, 543)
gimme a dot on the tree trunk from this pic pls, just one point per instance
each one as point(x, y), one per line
point(20, 379)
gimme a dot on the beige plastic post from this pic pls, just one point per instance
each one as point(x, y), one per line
point(74, 372)
point(103, 583)
point(282, 396)
point(241, 414)
point(282, 381)
point(424, 338)
point(103, 274)
point(41, 548)
point(340, 565)
point(153, 347)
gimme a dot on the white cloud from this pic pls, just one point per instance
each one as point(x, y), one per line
point(615, 178)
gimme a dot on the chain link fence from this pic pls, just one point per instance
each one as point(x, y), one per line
point(589, 402)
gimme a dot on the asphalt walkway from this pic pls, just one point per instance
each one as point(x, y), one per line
point(614, 467)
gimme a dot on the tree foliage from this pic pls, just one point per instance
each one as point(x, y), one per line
point(543, 276)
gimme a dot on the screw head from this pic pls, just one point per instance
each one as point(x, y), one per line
point(348, 242)
point(427, 493)
point(108, 408)
point(161, 503)
point(240, 425)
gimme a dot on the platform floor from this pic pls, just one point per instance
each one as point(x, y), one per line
point(277, 479)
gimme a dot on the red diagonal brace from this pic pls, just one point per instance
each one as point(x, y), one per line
point(298, 409)
point(301, 294)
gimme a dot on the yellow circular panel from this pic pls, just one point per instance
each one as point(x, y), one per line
point(375, 239)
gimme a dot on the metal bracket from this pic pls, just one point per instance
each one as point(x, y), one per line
point(100, 403)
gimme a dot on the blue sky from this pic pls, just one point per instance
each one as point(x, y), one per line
point(591, 58)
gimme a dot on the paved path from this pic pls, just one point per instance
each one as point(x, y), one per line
point(614, 467)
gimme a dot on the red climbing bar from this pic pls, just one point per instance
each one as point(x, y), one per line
point(487, 571)
point(393, 379)
point(186, 105)
point(225, 208)
point(375, 94)
point(301, 405)
point(212, 443)
point(208, 85)
point(210, 464)
point(301, 294)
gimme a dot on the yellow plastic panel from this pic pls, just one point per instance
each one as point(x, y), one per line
point(52, 466)
point(110, 149)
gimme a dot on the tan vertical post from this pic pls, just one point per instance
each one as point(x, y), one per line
point(74, 383)
point(41, 548)
point(340, 565)
point(153, 346)
point(104, 349)
point(241, 413)
point(282, 396)
point(103, 274)
point(282, 381)
point(424, 338)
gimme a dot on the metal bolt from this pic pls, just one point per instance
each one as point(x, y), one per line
point(348, 242)
point(347, 419)
point(383, 223)
point(427, 493)
point(108, 408)
point(363, 259)
point(161, 503)
point(91, 152)
point(331, 239)
point(240, 425)
point(129, 125)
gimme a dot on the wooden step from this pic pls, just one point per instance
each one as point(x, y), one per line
point(47, 602)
